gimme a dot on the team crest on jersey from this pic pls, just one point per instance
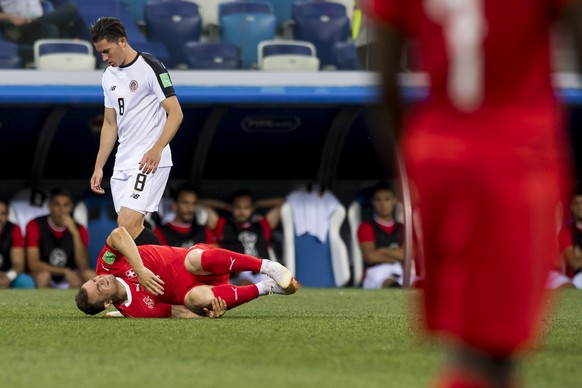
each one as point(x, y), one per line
point(149, 302)
point(109, 257)
point(130, 274)
point(133, 85)
point(58, 257)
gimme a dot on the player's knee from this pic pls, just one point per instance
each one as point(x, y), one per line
point(42, 279)
point(192, 262)
point(198, 298)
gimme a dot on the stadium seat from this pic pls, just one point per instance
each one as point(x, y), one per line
point(173, 23)
point(346, 56)
point(63, 54)
point(209, 11)
point(156, 49)
point(101, 220)
point(283, 11)
point(9, 58)
point(323, 24)
point(277, 55)
point(136, 10)
point(246, 23)
point(212, 56)
point(315, 263)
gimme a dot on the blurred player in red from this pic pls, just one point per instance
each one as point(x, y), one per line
point(487, 167)
point(153, 281)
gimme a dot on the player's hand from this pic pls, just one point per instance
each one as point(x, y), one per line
point(96, 181)
point(17, 20)
point(69, 223)
point(218, 308)
point(4, 281)
point(151, 282)
point(150, 161)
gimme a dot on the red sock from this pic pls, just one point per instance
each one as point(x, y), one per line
point(222, 262)
point(236, 295)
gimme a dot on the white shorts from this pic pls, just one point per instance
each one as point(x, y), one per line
point(377, 274)
point(137, 191)
point(556, 279)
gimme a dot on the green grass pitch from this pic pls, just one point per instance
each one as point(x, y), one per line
point(316, 338)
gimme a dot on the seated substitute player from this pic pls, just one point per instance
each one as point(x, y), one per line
point(184, 231)
point(12, 260)
point(380, 241)
point(245, 231)
point(143, 114)
point(149, 281)
point(570, 240)
point(56, 246)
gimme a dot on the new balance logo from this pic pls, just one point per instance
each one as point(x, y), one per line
point(231, 263)
point(134, 196)
point(113, 88)
point(235, 293)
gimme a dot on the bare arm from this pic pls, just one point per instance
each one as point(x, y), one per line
point(210, 205)
point(151, 159)
point(36, 264)
point(120, 240)
point(106, 143)
point(375, 255)
point(17, 257)
point(273, 216)
point(13, 19)
point(79, 249)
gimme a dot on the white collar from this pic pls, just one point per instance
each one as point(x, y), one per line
point(127, 291)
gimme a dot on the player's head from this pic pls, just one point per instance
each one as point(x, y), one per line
point(184, 204)
point(243, 205)
point(383, 199)
point(110, 39)
point(98, 294)
point(576, 204)
point(60, 205)
point(3, 212)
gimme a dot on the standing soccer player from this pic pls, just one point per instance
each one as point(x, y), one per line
point(487, 168)
point(143, 113)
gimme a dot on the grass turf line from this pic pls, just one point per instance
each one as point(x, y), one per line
point(316, 338)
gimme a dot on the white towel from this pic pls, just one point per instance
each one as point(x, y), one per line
point(312, 212)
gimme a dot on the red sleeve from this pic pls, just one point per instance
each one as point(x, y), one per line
point(210, 237)
point(84, 235)
point(32, 234)
point(160, 235)
point(266, 229)
point(17, 239)
point(366, 232)
point(565, 238)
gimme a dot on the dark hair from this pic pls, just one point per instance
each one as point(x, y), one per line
point(383, 186)
point(242, 193)
point(57, 191)
point(4, 201)
point(107, 28)
point(82, 299)
point(184, 188)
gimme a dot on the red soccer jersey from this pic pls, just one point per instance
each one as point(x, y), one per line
point(33, 234)
point(166, 262)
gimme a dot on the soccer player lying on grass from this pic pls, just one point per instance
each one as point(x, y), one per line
point(153, 281)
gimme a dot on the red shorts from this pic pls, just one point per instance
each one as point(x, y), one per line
point(489, 223)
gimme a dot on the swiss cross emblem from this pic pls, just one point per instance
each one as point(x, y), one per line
point(130, 274)
point(149, 302)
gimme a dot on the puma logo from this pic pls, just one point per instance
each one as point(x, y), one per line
point(235, 293)
point(231, 263)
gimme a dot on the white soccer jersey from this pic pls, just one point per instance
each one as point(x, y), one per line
point(136, 91)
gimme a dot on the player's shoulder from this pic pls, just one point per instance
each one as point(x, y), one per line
point(154, 63)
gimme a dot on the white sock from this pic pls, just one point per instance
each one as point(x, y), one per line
point(264, 265)
point(261, 288)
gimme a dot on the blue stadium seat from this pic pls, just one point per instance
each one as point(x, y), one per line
point(91, 10)
point(212, 55)
point(63, 54)
point(323, 24)
point(156, 49)
point(246, 23)
point(136, 10)
point(283, 10)
point(173, 23)
point(9, 58)
point(346, 56)
point(313, 262)
point(102, 219)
